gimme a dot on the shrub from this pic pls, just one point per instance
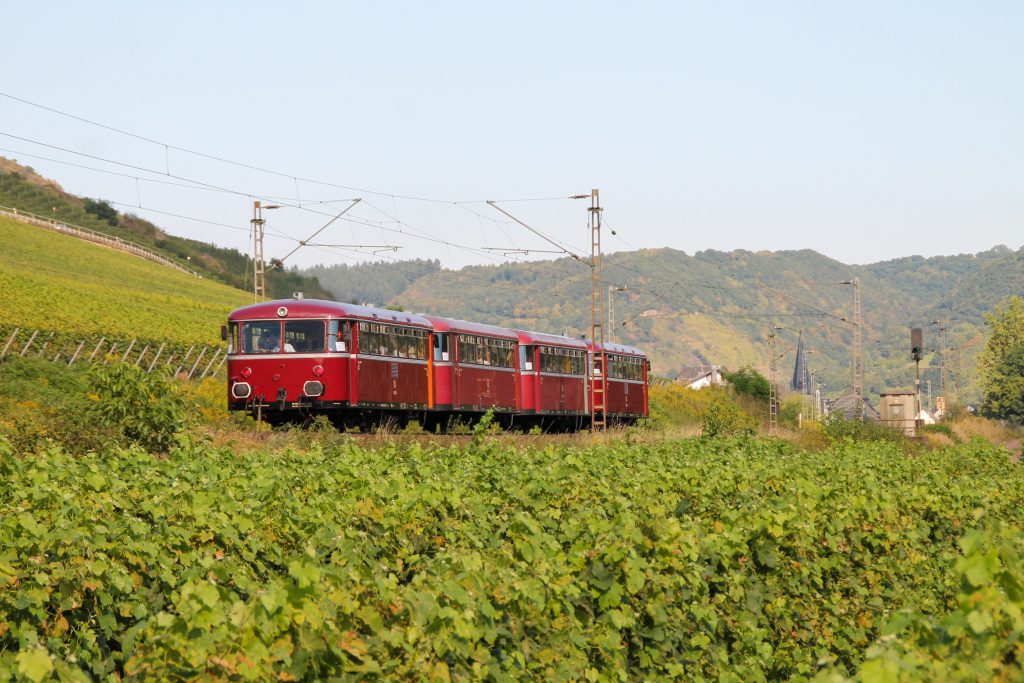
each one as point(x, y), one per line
point(724, 418)
point(144, 408)
point(749, 381)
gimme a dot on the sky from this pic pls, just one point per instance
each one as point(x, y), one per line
point(866, 131)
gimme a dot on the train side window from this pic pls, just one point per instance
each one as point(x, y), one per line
point(441, 347)
point(339, 335)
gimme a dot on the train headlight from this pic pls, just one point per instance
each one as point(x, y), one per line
point(318, 370)
point(246, 372)
point(241, 390)
point(312, 389)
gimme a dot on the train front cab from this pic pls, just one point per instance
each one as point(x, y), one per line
point(293, 359)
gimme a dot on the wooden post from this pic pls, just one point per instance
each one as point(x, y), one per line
point(10, 341)
point(77, 351)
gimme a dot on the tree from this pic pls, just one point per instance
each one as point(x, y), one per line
point(1001, 363)
point(749, 381)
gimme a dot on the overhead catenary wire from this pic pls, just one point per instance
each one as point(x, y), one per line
point(293, 176)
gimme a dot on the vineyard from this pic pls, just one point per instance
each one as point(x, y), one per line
point(57, 283)
point(700, 559)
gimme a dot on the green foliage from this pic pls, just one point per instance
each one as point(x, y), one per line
point(980, 639)
point(1001, 363)
point(837, 428)
point(102, 210)
point(724, 418)
point(43, 402)
point(144, 408)
point(943, 428)
point(750, 382)
point(377, 283)
point(700, 559)
point(791, 409)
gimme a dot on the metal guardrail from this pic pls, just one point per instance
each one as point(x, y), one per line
point(93, 236)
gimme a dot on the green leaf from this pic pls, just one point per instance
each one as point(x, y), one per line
point(34, 664)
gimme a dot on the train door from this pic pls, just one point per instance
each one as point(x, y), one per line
point(442, 370)
point(528, 385)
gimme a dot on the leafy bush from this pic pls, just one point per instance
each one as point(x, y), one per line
point(750, 382)
point(724, 418)
point(980, 640)
point(838, 428)
point(43, 402)
point(145, 408)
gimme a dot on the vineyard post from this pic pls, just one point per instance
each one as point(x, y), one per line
point(77, 351)
point(185, 359)
point(10, 341)
point(110, 352)
point(97, 349)
point(208, 365)
point(144, 349)
point(45, 344)
point(30, 340)
point(156, 357)
point(128, 350)
point(194, 365)
point(221, 363)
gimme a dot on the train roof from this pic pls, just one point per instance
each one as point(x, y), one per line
point(464, 326)
point(612, 347)
point(319, 308)
point(529, 337)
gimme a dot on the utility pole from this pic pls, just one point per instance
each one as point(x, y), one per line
point(943, 351)
point(773, 388)
point(259, 284)
point(599, 368)
point(858, 371)
point(858, 365)
point(612, 289)
point(259, 266)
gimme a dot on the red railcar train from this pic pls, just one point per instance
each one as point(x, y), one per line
point(292, 359)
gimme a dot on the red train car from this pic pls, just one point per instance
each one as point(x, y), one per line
point(474, 367)
point(625, 386)
point(552, 378)
point(292, 359)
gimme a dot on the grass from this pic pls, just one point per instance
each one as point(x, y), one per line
point(54, 282)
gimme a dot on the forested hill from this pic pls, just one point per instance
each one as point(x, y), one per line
point(709, 307)
point(24, 189)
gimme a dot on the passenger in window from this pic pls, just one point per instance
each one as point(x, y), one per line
point(271, 343)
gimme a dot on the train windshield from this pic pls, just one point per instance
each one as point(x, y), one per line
point(291, 336)
point(304, 336)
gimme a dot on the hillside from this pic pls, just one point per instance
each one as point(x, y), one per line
point(58, 283)
point(709, 308)
point(24, 189)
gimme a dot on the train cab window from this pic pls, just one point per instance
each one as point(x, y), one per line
point(339, 336)
point(441, 348)
point(233, 345)
point(304, 336)
point(261, 336)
